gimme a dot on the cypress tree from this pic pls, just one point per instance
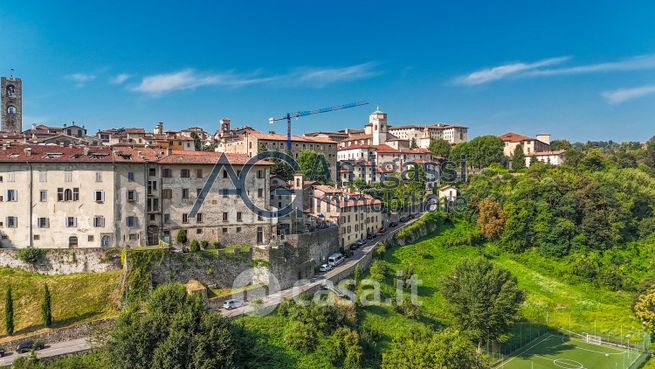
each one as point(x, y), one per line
point(518, 159)
point(47, 308)
point(9, 313)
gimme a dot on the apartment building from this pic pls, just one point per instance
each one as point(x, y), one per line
point(356, 215)
point(252, 142)
point(60, 197)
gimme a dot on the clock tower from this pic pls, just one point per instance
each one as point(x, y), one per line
point(12, 104)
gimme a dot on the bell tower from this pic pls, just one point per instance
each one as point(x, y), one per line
point(378, 119)
point(12, 104)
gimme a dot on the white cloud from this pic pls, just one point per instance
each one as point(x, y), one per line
point(642, 62)
point(119, 79)
point(624, 94)
point(503, 71)
point(80, 78)
point(189, 79)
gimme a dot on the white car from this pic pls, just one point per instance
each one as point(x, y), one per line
point(233, 304)
point(325, 268)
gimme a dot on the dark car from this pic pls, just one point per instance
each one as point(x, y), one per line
point(382, 230)
point(2, 352)
point(393, 224)
point(354, 246)
point(403, 218)
point(29, 346)
point(369, 236)
point(348, 253)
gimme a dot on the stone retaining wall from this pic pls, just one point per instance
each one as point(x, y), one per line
point(64, 261)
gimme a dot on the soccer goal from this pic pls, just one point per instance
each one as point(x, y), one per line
point(595, 340)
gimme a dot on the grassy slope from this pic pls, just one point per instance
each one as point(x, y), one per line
point(588, 307)
point(75, 298)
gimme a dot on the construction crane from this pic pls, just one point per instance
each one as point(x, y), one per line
point(299, 114)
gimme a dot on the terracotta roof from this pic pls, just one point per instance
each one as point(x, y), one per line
point(53, 153)
point(515, 137)
point(205, 157)
point(358, 137)
point(281, 137)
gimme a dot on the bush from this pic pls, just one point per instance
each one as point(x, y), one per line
point(204, 244)
point(181, 237)
point(379, 270)
point(30, 255)
point(301, 336)
point(217, 245)
point(195, 246)
point(380, 250)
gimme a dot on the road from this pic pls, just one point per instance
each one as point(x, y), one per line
point(81, 344)
point(55, 349)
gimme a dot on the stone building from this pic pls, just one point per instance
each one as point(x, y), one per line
point(59, 197)
point(12, 104)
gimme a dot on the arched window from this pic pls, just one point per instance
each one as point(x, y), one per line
point(105, 240)
point(11, 109)
point(11, 91)
point(72, 241)
point(68, 195)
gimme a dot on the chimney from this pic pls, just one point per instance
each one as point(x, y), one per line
point(544, 137)
point(28, 151)
point(86, 151)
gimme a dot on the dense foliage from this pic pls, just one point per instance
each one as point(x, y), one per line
point(484, 299)
point(596, 211)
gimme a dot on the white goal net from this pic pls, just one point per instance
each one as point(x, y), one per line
point(596, 340)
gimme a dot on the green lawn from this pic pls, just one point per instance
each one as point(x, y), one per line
point(553, 352)
point(75, 298)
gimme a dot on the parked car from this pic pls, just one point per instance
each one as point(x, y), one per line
point(29, 346)
point(354, 246)
point(2, 352)
point(348, 253)
point(335, 259)
point(393, 224)
point(382, 230)
point(403, 218)
point(233, 304)
point(361, 242)
point(325, 268)
point(369, 236)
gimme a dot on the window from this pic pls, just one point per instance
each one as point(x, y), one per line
point(60, 194)
point(185, 173)
point(167, 173)
point(198, 173)
point(224, 173)
point(224, 230)
point(185, 218)
point(76, 194)
point(68, 176)
point(224, 192)
point(134, 236)
point(43, 223)
point(71, 222)
point(43, 176)
point(239, 219)
point(105, 241)
point(43, 195)
point(1, 179)
point(12, 222)
point(167, 193)
point(99, 196)
point(167, 218)
point(90, 238)
point(260, 192)
point(11, 177)
point(131, 221)
point(238, 229)
point(98, 176)
point(72, 241)
point(99, 221)
point(36, 237)
point(152, 172)
point(225, 216)
point(11, 195)
point(260, 174)
point(11, 109)
point(199, 218)
point(185, 194)
point(131, 195)
point(259, 215)
point(198, 191)
point(130, 176)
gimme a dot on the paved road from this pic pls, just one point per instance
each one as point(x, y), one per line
point(274, 299)
point(81, 344)
point(55, 349)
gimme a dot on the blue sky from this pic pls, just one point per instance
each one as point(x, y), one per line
point(582, 71)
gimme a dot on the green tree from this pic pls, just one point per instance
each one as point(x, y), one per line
point(484, 299)
point(171, 330)
point(9, 312)
point(427, 350)
point(314, 166)
point(46, 308)
point(412, 143)
point(194, 246)
point(440, 148)
point(518, 158)
point(301, 336)
point(483, 151)
point(197, 144)
point(650, 152)
point(645, 309)
point(181, 237)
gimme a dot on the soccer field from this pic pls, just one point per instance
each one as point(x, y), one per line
point(562, 352)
